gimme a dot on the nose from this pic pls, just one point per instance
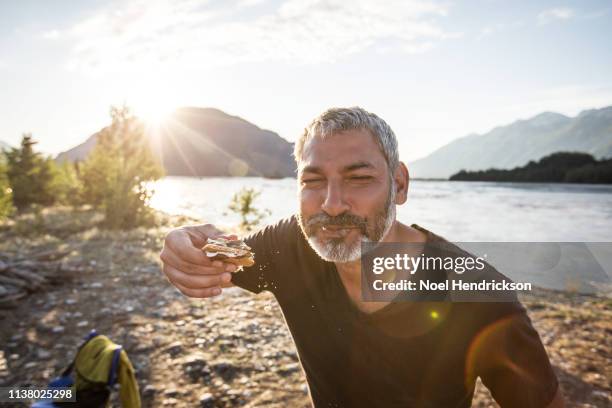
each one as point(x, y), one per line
point(334, 203)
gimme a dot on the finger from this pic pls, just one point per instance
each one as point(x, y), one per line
point(225, 266)
point(196, 281)
point(230, 236)
point(172, 259)
point(199, 233)
point(199, 293)
point(213, 268)
point(179, 243)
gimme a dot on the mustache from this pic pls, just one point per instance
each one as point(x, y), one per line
point(342, 220)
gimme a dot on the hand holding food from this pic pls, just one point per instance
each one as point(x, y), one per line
point(188, 268)
point(232, 251)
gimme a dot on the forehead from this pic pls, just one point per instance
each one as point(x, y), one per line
point(341, 149)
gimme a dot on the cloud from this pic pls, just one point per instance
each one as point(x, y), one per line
point(198, 33)
point(51, 35)
point(559, 13)
point(496, 28)
point(249, 3)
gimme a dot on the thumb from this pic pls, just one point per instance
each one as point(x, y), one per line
point(228, 236)
point(199, 234)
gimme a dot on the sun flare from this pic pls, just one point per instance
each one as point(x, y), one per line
point(154, 113)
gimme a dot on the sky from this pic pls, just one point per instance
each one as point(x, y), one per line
point(434, 70)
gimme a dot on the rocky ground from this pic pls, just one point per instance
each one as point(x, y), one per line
point(233, 350)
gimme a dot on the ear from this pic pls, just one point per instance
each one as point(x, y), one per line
point(402, 179)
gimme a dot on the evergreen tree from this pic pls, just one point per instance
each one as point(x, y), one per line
point(115, 175)
point(30, 175)
point(6, 196)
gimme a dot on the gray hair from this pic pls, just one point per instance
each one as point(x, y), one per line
point(340, 119)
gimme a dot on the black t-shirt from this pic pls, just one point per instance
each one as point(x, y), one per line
point(408, 354)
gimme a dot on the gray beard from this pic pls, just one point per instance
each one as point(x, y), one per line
point(335, 249)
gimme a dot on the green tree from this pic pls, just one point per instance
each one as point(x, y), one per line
point(30, 175)
point(115, 175)
point(243, 204)
point(6, 193)
point(65, 184)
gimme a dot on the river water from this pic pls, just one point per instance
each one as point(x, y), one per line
point(458, 211)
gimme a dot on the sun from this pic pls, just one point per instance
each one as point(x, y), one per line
point(154, 113)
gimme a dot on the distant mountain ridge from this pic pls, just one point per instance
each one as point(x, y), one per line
point(516, 144)
point(209, 142)
point(562, 167)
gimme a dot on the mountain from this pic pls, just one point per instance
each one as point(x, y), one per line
point(4, 145)
point(79, 152)
point(208, 142)
point(516, 144)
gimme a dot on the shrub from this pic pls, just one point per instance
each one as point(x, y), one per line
point(242, 204)
point(114, 176)
point(65, 184)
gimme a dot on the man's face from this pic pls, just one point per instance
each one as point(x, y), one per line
point(345, 194)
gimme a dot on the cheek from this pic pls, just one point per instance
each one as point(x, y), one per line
point(309, 201)
point(367, 200)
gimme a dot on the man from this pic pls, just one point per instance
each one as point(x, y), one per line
point(357, 353)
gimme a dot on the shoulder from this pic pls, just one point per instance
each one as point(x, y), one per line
point(430, 235)
point(273, 247)
point(278, 243)
point(437, 245)
point(470, 267)
point(284, 230)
